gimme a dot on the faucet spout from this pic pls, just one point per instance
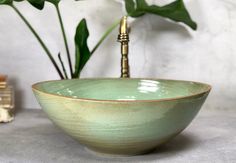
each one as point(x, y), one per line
point(123, 38)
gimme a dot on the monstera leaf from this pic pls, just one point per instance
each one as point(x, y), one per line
point(39, 4)
point(5, 2)
point(175, 11)
point(55, 2)
point(132, 10)
point(82, 53)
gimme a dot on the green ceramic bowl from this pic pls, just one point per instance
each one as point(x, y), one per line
point(121, 116)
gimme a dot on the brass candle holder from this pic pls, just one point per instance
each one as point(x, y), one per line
point(6, 100)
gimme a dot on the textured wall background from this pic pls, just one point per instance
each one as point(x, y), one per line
point(159, 48)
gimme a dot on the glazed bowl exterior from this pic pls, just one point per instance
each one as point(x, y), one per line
point(121, 116)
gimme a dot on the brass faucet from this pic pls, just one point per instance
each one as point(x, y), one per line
point(123, 38)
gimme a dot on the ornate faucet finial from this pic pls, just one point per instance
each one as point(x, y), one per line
point(123, 38)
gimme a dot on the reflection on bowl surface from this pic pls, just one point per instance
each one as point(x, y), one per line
point(121, 116)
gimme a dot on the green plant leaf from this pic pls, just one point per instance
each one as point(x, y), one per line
point(131, 9)
point(130, 6)
point(55, 2)
point(39, 4)
point(175, 11)
point(6, 2)
point(82, 52)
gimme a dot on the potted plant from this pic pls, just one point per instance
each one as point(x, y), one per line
point(175, 11)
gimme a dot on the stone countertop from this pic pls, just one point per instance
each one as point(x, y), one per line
point(211, 137)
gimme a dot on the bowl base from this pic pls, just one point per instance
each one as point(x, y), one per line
point(103, 154)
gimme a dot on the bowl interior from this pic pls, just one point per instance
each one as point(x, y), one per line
point(122, 89)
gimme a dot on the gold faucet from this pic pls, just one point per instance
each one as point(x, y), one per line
point(123, 38)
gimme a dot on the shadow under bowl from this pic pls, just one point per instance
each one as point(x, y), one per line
point(121, 116)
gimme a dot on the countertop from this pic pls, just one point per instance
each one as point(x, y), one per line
point(31, 137)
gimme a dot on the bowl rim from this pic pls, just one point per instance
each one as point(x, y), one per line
point(206, 91)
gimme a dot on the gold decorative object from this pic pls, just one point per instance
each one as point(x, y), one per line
point(123, 38)
point(6, 101)
point(3, 82)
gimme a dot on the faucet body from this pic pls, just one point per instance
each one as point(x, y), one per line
point(123, 38)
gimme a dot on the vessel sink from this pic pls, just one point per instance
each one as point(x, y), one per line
point(121, 116)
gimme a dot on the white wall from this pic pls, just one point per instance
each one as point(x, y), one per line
point(159, 48)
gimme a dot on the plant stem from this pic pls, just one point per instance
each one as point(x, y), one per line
point(40, 41)
point(64, 37)
point(62, 65)
point(109, 30)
